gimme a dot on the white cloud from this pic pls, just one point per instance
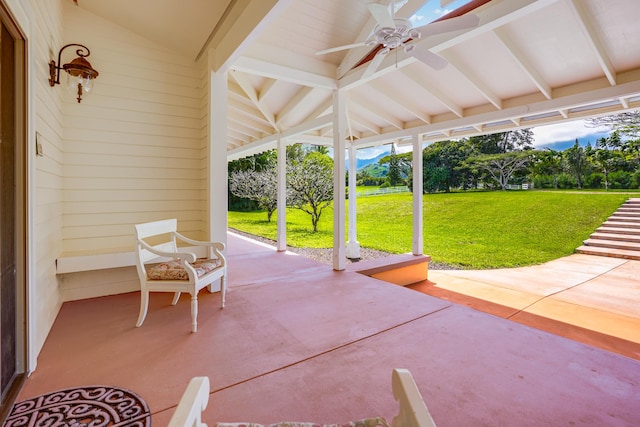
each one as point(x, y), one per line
point(372, 152)
point(418, 20)
point(442, 12)
point(566, 131)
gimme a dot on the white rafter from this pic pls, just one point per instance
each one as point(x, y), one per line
point(579, 98)
point(419, 79)
point(251, 92)
point(266, 87)
point(383, 90)
point(294, 103)
point(377, 110)
point(473, 79)
point(577, 8)
point(527, 67)
point(363, 122)
point(278, 71)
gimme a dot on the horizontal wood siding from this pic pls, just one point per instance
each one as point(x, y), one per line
point(46, 36)
point(133, 149)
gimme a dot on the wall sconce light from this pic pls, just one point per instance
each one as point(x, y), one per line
point(80, 73)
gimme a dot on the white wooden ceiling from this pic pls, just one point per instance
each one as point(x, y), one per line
point(528, 63)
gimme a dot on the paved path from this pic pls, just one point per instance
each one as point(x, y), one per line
point(590, 298)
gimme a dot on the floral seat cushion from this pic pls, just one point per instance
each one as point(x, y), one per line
point(367, 422)
point(173, 270)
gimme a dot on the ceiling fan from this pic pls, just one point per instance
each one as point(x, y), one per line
point(393, 32)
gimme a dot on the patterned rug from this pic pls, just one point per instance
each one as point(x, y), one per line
point(90, 406)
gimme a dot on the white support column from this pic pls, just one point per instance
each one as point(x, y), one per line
point(339, 172)
point(282, 195)
point(353, 246)
point(218, 202)
point(418, 231)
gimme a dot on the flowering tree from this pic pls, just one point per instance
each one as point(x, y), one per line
point(260, 186)
point(311, 185)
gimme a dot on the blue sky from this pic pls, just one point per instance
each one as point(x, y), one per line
point(545, 136)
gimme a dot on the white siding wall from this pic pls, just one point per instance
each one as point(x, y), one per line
point(133, 151)
point(133, 148)
point(48, 171)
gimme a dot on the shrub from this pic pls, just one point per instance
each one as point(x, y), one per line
point(566, 181)
point(620, 180)
point(594, 180)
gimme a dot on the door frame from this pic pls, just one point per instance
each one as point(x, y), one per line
point(15, 17)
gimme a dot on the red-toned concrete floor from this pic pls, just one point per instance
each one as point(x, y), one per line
point(299, 341)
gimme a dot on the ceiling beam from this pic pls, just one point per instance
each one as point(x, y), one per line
point(382, 89)
point(579, 98)
point(420, 79)
point(288, 74)
point(472, 78)
point(243, 23)
point(294, 103)
point(251, 92)
point(577, 8)
point(374, 109)
point(524, 63)
point(324, 108)
point(268, 141)
point(266, 87)
point(354, 117)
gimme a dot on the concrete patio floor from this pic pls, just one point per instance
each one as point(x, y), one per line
point(299, 341)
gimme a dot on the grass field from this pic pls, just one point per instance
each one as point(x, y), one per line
point(473, 230)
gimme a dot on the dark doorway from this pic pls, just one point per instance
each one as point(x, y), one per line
point(11, 190)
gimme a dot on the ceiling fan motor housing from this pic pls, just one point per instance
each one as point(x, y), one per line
point(394, 37)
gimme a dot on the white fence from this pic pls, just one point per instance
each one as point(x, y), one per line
point(380, 191)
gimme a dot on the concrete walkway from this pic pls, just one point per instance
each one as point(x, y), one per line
point(592, 299)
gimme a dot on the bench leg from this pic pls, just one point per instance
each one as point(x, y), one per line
point(144, 305)
point(176, 297)
point(223, 289)
point(194, 312)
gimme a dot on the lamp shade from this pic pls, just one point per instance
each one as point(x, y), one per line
point(80, 67)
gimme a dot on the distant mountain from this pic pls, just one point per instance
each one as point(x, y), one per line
point(375, 170)
point(563, 145)
point(361, 163)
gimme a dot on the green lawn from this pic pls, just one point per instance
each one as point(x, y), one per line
point(472, 230)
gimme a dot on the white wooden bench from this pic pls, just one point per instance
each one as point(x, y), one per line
point(413, 411)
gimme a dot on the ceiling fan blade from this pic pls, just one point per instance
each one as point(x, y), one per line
point(375, 63)
point(382, 15)
point(427, 57)
point(452, 24)
point(443, 3)
point(339, 48)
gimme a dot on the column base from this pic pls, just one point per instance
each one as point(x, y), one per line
point(353, 250)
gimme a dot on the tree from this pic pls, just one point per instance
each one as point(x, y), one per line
point(503, 142)
point(502, 166)
point(548, 162)
point(607, 156)
point(576, 162)
point(257, 162)
point(627, 123)
point(260, 186)
point(443, 165)
point(311, 185)
point(322, 149)
point(395, 174)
